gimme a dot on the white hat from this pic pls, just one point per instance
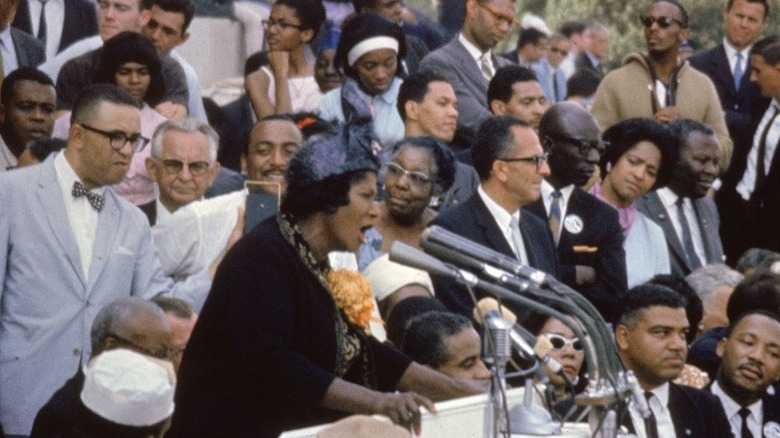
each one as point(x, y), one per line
point(531, 21)
point(128, 388)
point(387, 277)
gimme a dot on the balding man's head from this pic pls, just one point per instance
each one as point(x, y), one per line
point(572, 136)
point(132, 323)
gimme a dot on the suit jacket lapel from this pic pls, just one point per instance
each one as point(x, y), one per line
point(107, 227)
point(661, 217)
point(53, 207)
point(680, 410)
point(489, 227)
point(470, 65)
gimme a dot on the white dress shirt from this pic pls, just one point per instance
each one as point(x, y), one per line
point(659, 404)
point(669, 200)
point(504, 221)
point(10, 61)
point(55, 20)
point(195, 106)
point(83, 218)
point(754, 420)
point(162, 212)
point(477, 54)
point(7, 158)
point(748, 183)
point(547, 190)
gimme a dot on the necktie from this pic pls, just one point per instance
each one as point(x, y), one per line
point(517, 242)
point(555, 215)
point(760, 167)
point(42, 23)
point(484, 65)
point(687, 238)
point(744, 413)
point(94, 199)
point(556, 98)
point(650, 422)
point(738, 71)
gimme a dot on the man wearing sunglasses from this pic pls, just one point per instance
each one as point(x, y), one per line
point(69, 245)
point(657, 85)
point(586, 231)
point(184, 165)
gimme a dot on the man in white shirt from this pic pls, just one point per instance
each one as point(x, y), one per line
point(750, 364)
point(27, 105)
point(650, 332)
point(57, 23)
point(68, 246)
point(184, 165)
point(749, 200)
point(197, 236)
point(167, 29)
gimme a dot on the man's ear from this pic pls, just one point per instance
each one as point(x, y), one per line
point(497, 107)
point(184, 38)
point(621, 337)
point(721, 347)
point(412, 110)
point(143, 20)
point(150, 169)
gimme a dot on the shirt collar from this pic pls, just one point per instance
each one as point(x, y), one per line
point(668, 197)
point(5, 38)
point(547, 190)
point(731, 52)
point(471, 48)
point(662, 392)
point(503, 217)
point(731, 406)
point(162, 213)
point(391, 95)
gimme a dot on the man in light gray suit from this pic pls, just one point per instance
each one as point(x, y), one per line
point(27, 51)
point(469, 59)
point(68, 246)
point(688, 217)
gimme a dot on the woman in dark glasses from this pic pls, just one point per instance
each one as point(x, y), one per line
point(567, 350)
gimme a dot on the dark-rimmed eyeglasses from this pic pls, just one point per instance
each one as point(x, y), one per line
point(498, 16)
point(558, 342)
point(197, 168)
point(283, 25)
point(663, 22)
point(585, 146)
point(419, 179)
point(163, 353)
point(538, 160)
point(118, 139)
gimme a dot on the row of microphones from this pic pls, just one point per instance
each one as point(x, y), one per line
point(457, 249)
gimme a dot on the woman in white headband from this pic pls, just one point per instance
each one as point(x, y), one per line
point(370, 53)
point(286, 84)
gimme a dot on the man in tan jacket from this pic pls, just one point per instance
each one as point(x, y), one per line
point(656, 85)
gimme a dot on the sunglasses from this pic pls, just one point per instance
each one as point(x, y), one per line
point(558, 342)
point(663, 22)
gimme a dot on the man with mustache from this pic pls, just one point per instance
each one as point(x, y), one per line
point(650, 330)
point(689, 218)
point(27, 107)
point(750, 363)
point(586, 231)
point(657, 84)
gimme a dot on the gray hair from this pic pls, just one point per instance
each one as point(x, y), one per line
point(185, 125)
point(115, 317)
point(598, 26)
point(705, 279)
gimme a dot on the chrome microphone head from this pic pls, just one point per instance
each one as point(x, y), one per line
point(499, 331)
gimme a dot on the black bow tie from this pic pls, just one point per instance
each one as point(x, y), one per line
point(94, 199)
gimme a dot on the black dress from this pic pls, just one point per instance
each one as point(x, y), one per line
point(269, 342)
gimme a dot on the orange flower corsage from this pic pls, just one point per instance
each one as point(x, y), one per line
point(352, 294)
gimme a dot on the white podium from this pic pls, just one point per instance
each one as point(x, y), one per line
point(467, 417)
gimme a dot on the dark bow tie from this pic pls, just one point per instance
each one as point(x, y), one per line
point(94, 199)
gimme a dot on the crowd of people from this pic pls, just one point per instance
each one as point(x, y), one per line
point(170, 267)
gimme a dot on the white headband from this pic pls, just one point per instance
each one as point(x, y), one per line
point(367, 45)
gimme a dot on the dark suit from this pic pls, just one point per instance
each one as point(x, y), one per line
point(744, 109)
point(467, 81)
point(473, 220)
point(601, 229)
point(227, 181)
point(29, 51)
point(695, 413)
point(583, 62)
point(60, 414)
point(80, 21)
point(234, 132)
point(708, 219)
point(770, 407)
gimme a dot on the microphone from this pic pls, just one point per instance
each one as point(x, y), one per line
point(496, 329)
point(458, 249)
point(542, 349)
point(488, 308)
